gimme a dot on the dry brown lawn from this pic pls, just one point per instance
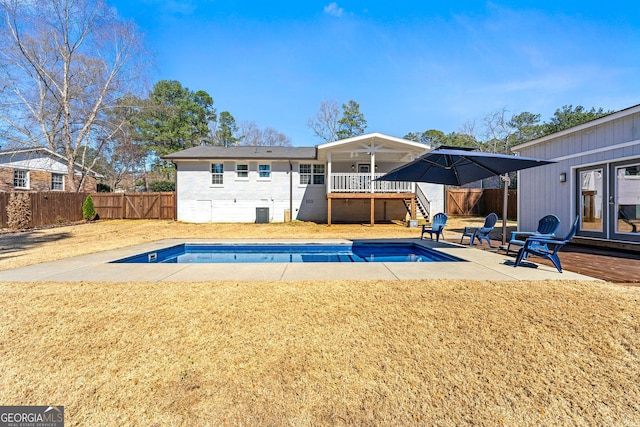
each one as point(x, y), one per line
point(311, 353)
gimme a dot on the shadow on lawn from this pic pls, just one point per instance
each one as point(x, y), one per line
point(11, 244)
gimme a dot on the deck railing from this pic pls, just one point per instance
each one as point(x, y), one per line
point(362, 183)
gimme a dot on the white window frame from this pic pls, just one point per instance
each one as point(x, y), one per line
point(266, 172)
point(309, 178)
point(24, 179)
point(316, 174)
point(241, 173)
point(61, 176)
point(217, 177)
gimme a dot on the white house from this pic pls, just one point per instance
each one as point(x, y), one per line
point(597, 176)
point(331, 182)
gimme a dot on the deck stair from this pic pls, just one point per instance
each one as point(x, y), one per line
point(421, 211)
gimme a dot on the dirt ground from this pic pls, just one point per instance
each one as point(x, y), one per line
point(376, 353)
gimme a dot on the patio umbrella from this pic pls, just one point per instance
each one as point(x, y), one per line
point(456, 166)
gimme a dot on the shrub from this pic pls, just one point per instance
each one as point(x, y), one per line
point(19, 211)
point(88, 211)
point(103, 188)
point(160, 186)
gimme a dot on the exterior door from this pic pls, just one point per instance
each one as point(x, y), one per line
point(609, 201)
point(592, 201)
point(624, 201)
point(363, 177)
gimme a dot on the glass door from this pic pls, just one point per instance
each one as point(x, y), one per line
point(592, 198)
point(625, 201)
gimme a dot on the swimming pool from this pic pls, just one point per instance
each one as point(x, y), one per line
point(189, 253)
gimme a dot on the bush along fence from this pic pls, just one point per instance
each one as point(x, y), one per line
point(21, 210)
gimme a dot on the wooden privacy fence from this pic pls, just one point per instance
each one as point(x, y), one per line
point(47, 208)
point(480, 202)
point(59, 207)
point(135, 205)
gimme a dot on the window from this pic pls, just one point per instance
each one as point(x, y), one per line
point(20, 179)
point(242, 171)
point(57, 181)
point(311, 174)
point(305, 174)
point(217, 174)
point(318, 174)
point(264, 171)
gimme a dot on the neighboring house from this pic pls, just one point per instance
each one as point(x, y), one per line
point(327, 183)
point(597, 177)
point(38, 169)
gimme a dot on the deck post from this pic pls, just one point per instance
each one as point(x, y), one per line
point(328, 210)
point(373, 211)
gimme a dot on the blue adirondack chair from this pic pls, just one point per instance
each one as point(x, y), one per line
point(436, 227)
point(546, 247)
point(547, 227)
point(481, 233)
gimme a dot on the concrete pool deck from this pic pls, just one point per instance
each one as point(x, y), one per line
point(479, 265)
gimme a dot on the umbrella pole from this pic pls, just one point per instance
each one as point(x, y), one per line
point(505, 178)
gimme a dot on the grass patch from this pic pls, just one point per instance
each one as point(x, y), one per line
point(324, 353)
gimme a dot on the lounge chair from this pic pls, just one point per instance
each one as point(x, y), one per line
point(481, 233)
point(436, 226)
point(547, 227)
point(546, 247)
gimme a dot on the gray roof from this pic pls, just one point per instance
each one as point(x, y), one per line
point(244, 152)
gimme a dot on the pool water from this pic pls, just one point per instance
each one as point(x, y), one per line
point(288, 253)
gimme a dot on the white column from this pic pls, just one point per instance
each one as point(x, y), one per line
point(329, 173)
point(373, 170)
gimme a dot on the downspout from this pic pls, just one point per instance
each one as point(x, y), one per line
point(175, 193)
point(290, 191)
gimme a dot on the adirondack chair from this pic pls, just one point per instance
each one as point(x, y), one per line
point(547, 227)
point(436, 227)
point(632, 222)
point(546, 247)
point(481, 233)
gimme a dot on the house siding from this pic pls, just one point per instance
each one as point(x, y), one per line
point(40, 167)
point(540, 190)
point(237, 199)
point(41, 181)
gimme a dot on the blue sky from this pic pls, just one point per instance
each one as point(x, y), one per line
point(411, 65)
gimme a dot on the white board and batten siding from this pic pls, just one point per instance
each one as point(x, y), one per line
point(607, 140)
point(237, 199)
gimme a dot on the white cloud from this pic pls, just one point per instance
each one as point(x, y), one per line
point(333, 9)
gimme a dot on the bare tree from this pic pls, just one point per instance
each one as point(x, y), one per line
point(63, 64)
point(325, 125)
point(251, 134)
point(497, 131)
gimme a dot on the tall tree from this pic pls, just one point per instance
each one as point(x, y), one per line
point(174, 118)
point(526, 127)
point(325, 124)
point(251, 134)
point(63, 63)
point(330, 126)
point(124, 157)
point(227, 130)
point(432, 137)
point(567, 117)
point(352, 123)
point(496, 132)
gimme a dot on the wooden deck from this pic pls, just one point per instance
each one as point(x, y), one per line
point(611, 265)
